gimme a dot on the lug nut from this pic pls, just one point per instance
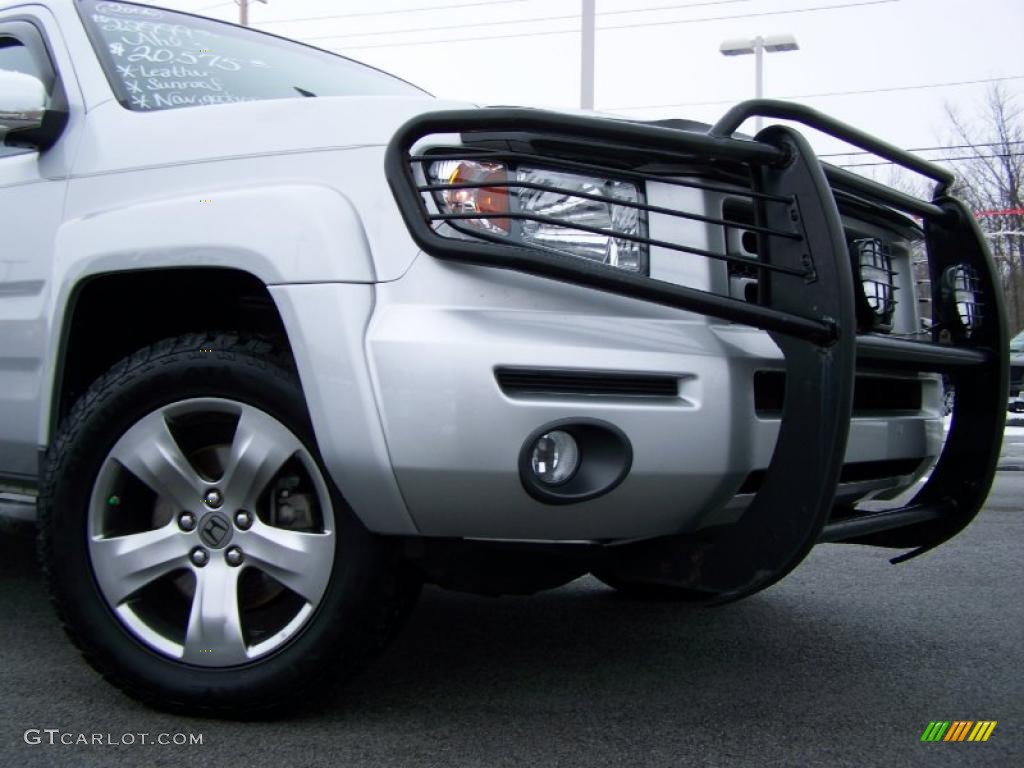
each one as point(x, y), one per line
point(234, 556)
point(186, 521)
point(243, 520)
point(199, 557)
point(213, 498)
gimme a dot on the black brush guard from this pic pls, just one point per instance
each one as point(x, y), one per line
point(807, 304)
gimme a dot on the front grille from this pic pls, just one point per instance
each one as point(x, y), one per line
point(520, 382)
point(872, 395)
point(874, 268)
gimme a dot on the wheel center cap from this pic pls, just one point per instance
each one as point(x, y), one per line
point(215, 530)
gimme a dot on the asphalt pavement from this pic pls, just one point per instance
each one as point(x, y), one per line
point(844, 663)
point(1011, 457)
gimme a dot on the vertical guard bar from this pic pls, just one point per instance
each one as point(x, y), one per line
point(958, 485)
point(963, 475)
point(791, 508)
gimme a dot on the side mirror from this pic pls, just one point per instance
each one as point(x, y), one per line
point(25, 119)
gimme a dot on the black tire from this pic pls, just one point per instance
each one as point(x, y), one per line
point(364, 603)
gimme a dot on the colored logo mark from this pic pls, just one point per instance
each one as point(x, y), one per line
point(958, 730)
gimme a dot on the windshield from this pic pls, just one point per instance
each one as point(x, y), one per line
point(1017, 343)
point(158, 59)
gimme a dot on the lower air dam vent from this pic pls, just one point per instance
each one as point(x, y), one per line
point(871, 394)
point(526, 382)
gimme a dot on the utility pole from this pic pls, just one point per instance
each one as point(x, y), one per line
point(243, 11)
point(587, 32)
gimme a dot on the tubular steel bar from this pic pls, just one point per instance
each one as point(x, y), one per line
point(674, 143)
point(863, 525)
point(617, 201)
point(577, 165)
point(812, 118)
point(796, 271)
point(888, 352)
point(859, 185)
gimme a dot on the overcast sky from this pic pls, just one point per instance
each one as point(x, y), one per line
point(665, 61)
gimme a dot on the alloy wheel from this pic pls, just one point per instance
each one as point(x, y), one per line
point(211, 532)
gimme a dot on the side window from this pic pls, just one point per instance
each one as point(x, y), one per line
point(15, 57)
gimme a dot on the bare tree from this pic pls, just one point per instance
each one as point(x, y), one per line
point(991, 181)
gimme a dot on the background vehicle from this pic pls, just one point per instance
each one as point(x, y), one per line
point(282, 337)
point(1017, 373)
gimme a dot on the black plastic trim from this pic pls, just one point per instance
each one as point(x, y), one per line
point(872, 394)
point(853, 472)
point(560, 382)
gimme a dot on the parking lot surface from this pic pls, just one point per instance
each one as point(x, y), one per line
point(844, 663)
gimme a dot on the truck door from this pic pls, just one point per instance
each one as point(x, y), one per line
point(32, 189)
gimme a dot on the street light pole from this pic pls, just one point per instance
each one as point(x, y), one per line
point(243, 11)
point(758, 46)
point(587, 34)
point(758, 71)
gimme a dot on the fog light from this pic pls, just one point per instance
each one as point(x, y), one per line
point(876, 278)
point(962, 284)
point(555, 457)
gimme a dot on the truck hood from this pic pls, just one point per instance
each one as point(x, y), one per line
point(118, 139)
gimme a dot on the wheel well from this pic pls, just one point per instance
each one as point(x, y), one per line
point(111, 316)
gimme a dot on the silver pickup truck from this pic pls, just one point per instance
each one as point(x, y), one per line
point(283, 337)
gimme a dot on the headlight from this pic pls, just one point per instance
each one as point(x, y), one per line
point(547, 209)
point(485, 200)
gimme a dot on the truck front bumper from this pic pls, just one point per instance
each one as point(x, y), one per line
point(442, 333)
